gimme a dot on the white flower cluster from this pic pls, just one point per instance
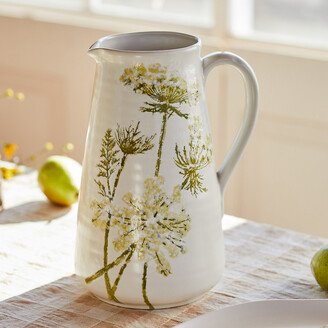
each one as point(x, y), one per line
point(155, 223)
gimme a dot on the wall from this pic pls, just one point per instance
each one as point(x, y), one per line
point(48, 62)
point(282, 178)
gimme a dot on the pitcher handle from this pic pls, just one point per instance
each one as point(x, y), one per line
point(251, 86)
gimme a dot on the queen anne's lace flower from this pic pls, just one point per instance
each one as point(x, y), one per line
point(155, 223)
point(101, 213)
point(131, 141)
point(155, 82)
point(193, 159)
point(167, 92)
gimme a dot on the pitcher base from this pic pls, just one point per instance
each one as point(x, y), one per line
point(145, 307)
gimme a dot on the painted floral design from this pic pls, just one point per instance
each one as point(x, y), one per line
point(155, 225)
point(115, 149)
point(155, 222)
point(167, 92)
point(150, 226)
point(192, 159)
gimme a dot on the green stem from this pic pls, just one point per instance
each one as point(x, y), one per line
point(123, 267)
point(109, 289)
point(144, 287)
point(161, 142)
point(108, 176)
point(123, 160)
point(109, 266)
point(106, 277)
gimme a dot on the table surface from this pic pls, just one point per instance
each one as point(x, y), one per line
point(38, 287)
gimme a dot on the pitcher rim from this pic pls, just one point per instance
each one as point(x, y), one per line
point(195, 42)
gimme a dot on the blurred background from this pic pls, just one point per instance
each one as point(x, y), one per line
point(282, 177)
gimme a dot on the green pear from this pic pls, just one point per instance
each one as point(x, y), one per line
point(319, 266)
point(59, 178)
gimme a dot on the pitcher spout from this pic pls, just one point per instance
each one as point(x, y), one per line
point(98, 49)
point(142, 42)
point(99, 44)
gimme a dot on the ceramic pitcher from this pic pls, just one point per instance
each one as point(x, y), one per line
point(149, 221)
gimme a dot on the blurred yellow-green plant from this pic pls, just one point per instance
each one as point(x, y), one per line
point(9, 150)
point(9, 153)
point(11, 94)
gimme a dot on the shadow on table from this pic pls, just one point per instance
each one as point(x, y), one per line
point(67, 303)
point(64, 303)
point(32, 212)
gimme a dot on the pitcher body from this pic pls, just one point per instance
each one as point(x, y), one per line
point(149, 231)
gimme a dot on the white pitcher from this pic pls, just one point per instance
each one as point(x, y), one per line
point(151, 202)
